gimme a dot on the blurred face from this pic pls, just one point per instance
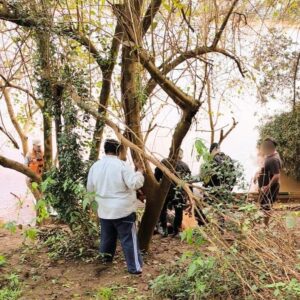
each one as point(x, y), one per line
point(37, 148)
point(267, 148)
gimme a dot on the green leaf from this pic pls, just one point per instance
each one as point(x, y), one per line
point(31, 233)
point(2, 260)
point(192, 268)
point(11, 226)
point(34, 186)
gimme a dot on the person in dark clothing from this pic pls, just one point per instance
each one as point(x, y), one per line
point(219, 178)
point(269, 178)
point(176, 197)
point(221, 169)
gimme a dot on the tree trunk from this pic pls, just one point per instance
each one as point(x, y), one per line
point(46, 87)
point(107, 72)
point(156, 197)
point(99, 127)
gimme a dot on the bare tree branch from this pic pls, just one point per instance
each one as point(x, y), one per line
point(150, 14)
point(223, 135)
point(12, 85)
point(14, 165)
point(10, 137)
point(225, 21)
point(13, 118)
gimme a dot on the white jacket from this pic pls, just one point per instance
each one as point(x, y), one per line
point(115, 184)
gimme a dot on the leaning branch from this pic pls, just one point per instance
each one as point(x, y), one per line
point(14, 165)
point(234, 58)
point(127, 143)
point(182, 99)
point(20, 88)
point(150, 14)
point(225, 21)
point(14, 120)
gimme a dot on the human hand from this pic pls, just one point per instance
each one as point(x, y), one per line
point(265, 189)
point(140, 195)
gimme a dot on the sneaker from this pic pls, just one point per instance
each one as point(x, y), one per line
point(136, 272)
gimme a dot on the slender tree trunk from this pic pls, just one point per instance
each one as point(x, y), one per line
point(99, 127)
point(13, 118)
point(107, 71)
point(46, 87)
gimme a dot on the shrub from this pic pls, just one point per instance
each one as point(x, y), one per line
point(285, 129)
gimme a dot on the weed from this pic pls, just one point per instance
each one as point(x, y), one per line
point(105, 293)
point(2, 260)
point(12, 289)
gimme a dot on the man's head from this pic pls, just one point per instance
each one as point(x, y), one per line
point(112, 147)
point(268, 146)
point(214, 148)
point(37, 145)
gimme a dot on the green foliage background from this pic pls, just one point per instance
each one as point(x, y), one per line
point(285, 129)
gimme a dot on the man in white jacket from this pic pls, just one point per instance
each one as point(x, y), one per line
point(115, 184)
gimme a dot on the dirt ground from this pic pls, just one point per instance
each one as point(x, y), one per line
point(45, 279)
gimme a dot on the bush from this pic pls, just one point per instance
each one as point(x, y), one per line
point(285, 129)
point(237, 270)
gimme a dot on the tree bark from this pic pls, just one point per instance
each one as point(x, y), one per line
point(107, 71)
point(46, 86)
point(156, 197)
point(13, 118)
point(14, 165)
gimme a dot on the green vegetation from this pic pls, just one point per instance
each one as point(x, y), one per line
point(12, 288)
point(211, 272)
point(284, 128)
point(2, 260)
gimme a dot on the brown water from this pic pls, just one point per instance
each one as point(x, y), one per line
point(289, 184)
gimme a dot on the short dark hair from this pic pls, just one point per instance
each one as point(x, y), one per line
point(213, 146)
point(112, 146)
point(270, 141)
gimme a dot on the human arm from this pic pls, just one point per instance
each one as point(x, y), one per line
point(133, 180)
point(90, 185)
point(272, 169)
point(274, 179)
